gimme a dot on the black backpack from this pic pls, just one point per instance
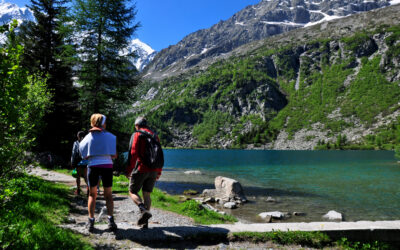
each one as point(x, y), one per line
point(153, 155)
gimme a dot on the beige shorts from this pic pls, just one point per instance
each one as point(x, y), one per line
point(144, 181)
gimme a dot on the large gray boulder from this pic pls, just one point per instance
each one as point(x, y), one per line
point(229, 189)
point(226, 190)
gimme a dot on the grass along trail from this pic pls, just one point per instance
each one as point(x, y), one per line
point(171, 230)
point(166, 229)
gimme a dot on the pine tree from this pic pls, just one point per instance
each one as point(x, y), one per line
point(105, 74)
point(48, 53)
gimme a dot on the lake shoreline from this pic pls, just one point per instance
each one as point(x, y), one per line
point(357, 184)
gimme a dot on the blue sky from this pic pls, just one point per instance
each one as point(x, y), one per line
point(166, 22)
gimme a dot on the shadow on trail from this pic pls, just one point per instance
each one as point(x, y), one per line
point(186, 236)
point(179, 187)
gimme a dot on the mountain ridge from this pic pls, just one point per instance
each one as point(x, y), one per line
point(298, 90)
point(255, 22)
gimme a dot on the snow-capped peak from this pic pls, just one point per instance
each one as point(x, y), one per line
point(139, 44)
point(10, 11)
point(143, 51)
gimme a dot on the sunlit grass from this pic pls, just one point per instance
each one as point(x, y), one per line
point(30, 210)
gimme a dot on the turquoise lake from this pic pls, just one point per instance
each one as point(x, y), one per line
point(362, 185)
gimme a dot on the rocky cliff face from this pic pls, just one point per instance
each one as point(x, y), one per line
point(268, 18)
point(290, 91)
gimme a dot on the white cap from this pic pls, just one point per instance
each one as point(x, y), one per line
point(141, 121)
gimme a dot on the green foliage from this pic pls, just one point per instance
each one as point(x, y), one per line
point(375, 245)
point(391, 41)
point(310, 239)
point(370, 93)
point(203, 216)
point(355, 42)
point(311, 103)
point(29, 211)
point(23, 102)
point(212, 124)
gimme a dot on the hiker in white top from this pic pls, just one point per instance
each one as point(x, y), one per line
point(99, 147)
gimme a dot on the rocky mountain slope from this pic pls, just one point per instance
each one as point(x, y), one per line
point(335, 82)
point(265, 19)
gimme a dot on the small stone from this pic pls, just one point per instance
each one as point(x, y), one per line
point(123, 183)
point(209, 193)
point(193, 172)
point(230, 205)
point(333, 215)
point(190, 192)
point(71, 220)
point(270, 199)
point(275, 215)
point(222, 246)
point(209, 199)
point(299, 214)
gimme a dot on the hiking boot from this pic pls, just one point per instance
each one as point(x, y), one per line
point(145, 226)
point(111, 224)
point(90, 225)
point(146, 215)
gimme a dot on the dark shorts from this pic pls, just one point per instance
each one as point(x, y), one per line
point(94, 173)
point(144, 181)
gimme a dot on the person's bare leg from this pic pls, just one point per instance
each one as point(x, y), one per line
point(109, 200)
point(147, 200)
point(135, 198)
point(85, 175)
point(78, 178)
point(92, 201)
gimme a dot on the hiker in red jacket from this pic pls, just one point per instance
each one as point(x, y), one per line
point(141, 176)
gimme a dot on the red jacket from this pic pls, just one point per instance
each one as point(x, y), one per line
point(137, 151)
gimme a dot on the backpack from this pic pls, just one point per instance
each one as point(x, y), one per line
point(153, 155)
point(76, 155)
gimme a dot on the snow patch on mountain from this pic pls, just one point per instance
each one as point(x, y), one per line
point(393, 2)
point(10, 11)
point(144, 53)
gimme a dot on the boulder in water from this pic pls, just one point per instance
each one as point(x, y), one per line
point(333, 215)
point(275, 215)
point(193, 172)
point(229, 189)
point(230, 205)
